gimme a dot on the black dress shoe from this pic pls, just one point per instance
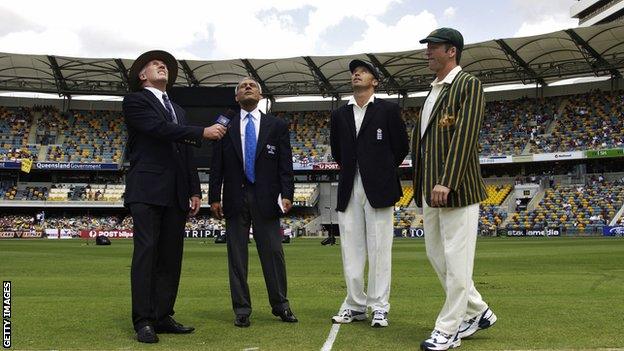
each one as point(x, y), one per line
point(169, 325)
point(286, 316)
point(147, 334)
point(242, 321)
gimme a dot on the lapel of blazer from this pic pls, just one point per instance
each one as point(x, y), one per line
point(234, 132)
point(437, 105)
point(350, 117)
point(265, 128)
point(368, 116)
point(156, 103)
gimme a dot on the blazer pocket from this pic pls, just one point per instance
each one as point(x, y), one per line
point(447, 129)
point(270, 150)
point(150, 168)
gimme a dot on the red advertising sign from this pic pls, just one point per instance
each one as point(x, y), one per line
point(113, 234)
point(325, 166)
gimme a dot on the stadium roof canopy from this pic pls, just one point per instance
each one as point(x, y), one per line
point(596, 50)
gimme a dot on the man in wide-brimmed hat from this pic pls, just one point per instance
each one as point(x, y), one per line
point(162, 188)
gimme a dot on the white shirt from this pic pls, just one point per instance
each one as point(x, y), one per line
point(436, 88)
point(359, 112)
point(255, 114)
point(158, 93)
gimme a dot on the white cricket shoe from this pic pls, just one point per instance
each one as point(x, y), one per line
point(347, 316)
point(380, 319)
point(439, 341)
point(482, 321)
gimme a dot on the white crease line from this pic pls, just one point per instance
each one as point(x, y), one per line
point(331, 338)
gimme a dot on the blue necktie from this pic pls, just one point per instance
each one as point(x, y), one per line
point(250, 149)
point(169, 107)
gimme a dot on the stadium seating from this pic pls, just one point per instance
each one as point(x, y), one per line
point(91, 136)
point(309, 135)
point(306, 194)
point(15, 125)
point(496, 194)
point(509, 124)
point(580, 207)
point(589, 121)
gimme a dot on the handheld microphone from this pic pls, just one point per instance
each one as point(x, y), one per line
point(224, 120)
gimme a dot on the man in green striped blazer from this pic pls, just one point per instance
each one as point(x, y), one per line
point(448, 186)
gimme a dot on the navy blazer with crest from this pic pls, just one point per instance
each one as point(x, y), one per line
point(274, 170)
point(377, 150)
point(161, 164)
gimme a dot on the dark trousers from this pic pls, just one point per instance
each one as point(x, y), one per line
point(156, 261)
point(269, 244)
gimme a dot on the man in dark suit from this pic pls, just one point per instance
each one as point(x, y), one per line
point(162, 188)
point(369, 142)
point(448, 186)
point(253, 164)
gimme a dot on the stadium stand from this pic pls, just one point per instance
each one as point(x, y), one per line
point(91, 136)
point(15, 142)
point(573, 207)
point(589, 121)
point(306, 194)
point(309, 135)
point(510, 124)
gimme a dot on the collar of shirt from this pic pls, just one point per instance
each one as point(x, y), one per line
point(255, 114)
point(449, 77)
point(158, 93)
point(353, 102)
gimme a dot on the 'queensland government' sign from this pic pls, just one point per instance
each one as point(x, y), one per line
point(77, 166)
point(80, 166)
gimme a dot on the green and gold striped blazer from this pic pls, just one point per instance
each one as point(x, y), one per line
point(447, 154)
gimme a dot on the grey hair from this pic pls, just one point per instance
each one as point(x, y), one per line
point(247, 78)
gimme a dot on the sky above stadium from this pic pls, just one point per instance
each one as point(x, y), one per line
point(214, 30)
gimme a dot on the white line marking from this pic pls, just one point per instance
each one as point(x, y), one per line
point(331, 338)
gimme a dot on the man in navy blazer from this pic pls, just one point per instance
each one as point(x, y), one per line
point(253, 165)
point(369, 142)
point(162, 188)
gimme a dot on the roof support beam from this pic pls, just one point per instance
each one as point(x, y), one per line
point(394, 85)
point(519, 61)
point(61, 84)
point(326, 86)
point(254, 74)
point(600, 61)
point(123, 72)
point(190, 76)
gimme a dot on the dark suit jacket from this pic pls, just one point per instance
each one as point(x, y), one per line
point(447, 154)
point(161, 166)
point(274, 171)
point(378, 150)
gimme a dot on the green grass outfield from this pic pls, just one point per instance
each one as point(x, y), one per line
point(548, 293)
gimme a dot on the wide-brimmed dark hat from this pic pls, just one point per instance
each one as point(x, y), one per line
point(445, 35)
point(172, 66)
point(369, 66)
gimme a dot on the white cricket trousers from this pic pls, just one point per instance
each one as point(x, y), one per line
point(450, 240)
point(366, 232)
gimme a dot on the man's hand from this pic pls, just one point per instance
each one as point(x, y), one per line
point(214, 132)
point(287, 205)
point(216, 210)
point(195, 204)
point(439, 195)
